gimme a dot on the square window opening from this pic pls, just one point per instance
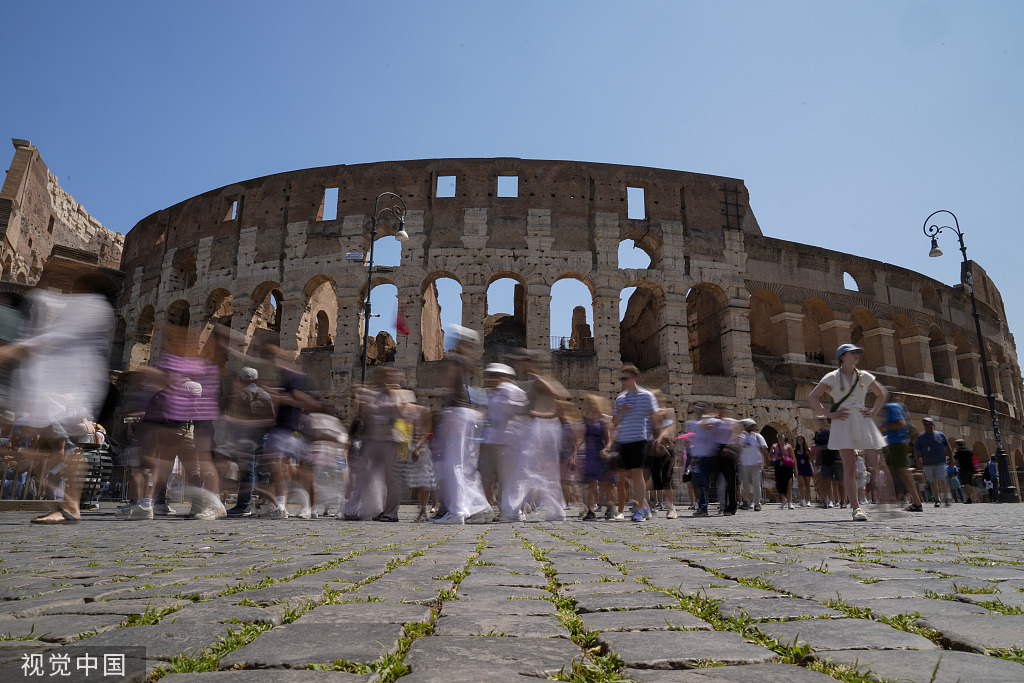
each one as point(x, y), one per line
point(635, 207)
point(329, 205)
point(508, 186)
point(445, 186)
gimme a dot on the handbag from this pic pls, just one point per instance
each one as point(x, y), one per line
point(839, 403)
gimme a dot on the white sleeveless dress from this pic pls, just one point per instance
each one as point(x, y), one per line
point(855, 431)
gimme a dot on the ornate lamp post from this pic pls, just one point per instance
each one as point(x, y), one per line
point(1007, 492)
point(396, 210)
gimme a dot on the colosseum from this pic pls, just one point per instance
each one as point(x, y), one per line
point(723, 314)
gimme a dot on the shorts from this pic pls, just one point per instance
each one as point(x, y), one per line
point(934, 473)
point(661, 472)
point(633, 454)
point(897, 455)
point(831, 471)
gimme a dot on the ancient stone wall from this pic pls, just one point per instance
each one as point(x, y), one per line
point(36, 215)
point(722, 315)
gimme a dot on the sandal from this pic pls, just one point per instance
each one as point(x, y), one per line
point(420, 518)
point(65, 518)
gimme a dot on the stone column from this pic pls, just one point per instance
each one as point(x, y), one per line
point(407, 354)
point(675, 348)
point(834, 333)
point(538, 317)
point(993, 373)
point(241, 321)
point(879, 345)
point(946, 353)
point(292, 310)
point(474, 307)
point(918, 357)
point(736, 357)
point(606, 338)
point(973, 361)
point(347, 348)
point(788, 333)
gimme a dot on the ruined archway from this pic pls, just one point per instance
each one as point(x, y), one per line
point(766, 337)
point(441, 308)
point(572, 315)
point(142, 339)
point(705, 311)
point(265, 318)
point(815, 313)
point(178, 313)
point(505, 324)
point(642, 326)
point(317, 327)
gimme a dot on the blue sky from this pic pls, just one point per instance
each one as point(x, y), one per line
point(849, 122)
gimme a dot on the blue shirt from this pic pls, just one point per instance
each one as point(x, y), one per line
point(635, 424)
point(893, 413)
point(933, 447)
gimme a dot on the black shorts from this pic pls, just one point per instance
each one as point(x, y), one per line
point(661, 472)
point(633, 454)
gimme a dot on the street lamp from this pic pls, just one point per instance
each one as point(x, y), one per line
point(397, 211)
point(1007, 492)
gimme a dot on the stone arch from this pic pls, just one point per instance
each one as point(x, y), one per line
point(264, 325)
point(815, 314)
point(438, 287)
point(387, 250)
point(862, 334)
point(642, 325)
point(183, 271)
point(505, 329)
point(941, 366)
point(317, 326)
point(573, 331)
point(178, 313)
point(383, 308)
point(706, 305)
point(633, 255)
point(217, 310)
point(766, 337)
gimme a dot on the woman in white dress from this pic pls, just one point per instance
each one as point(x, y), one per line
point(853, 425)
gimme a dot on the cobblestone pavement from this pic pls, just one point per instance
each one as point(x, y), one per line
point(778, 595)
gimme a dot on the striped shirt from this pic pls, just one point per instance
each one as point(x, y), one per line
point(635, 424)
point(181, 405)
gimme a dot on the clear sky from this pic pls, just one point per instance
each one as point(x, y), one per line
point(849, 122)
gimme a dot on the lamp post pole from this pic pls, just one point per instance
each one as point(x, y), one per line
point(1007, 492)
point(396, 210)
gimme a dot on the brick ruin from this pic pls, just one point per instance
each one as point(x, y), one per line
point(723, 314)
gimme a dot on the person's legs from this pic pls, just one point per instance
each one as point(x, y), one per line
point(849, 457)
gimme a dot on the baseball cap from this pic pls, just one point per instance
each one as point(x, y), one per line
point(846, 348)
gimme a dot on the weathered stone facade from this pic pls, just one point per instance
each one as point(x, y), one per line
point(36, 215)
point(723, 314)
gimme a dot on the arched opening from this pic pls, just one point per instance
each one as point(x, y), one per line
point(858, 279)
point(572, 315)
point(505, 324)
point(142, 339)
point(178, 313)
point(632, 255)
point(641, 326)
point(217, 311)
point(705, 312)
point(941, 366)
point(383, 311)
point(766, 338)
point(317, 325)
point(850, 283)
point(265, 322)
point(815, 312)
point(442, 308)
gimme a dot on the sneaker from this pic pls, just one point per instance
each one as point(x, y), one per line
point(440, 513)
point(274, 513)
point(450, 518)
point(521, 517)
point(608, 513)
point(239, 512)
point(619, 517)
point(590, 516)
point(163, 509)
point(757, 508)
point(842, 505)
point(807, 503)
point(859, 515)
point(938, 504)
point(304, 513)
point(481, 517)
point(700, 513)
point(790, 506)
point(782, 506)
point(830, 505)
point(137, 512)
point(915, 508)
point(206, 514)
point(671, 514)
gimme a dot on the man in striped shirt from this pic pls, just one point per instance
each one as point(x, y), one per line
point(633, 418)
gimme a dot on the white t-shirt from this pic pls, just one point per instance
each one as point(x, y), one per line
point(751, 444)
